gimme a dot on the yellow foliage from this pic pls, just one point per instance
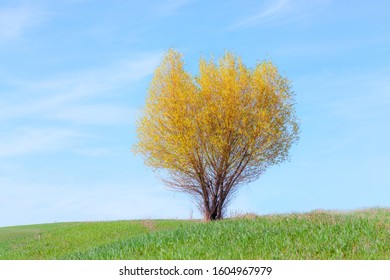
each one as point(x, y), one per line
point(216, 130)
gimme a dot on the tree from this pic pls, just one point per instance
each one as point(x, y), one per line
point(211, 133)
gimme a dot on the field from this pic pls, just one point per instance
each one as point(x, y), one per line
point(353, 235)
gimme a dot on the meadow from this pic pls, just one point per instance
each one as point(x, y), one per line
point(318, 235)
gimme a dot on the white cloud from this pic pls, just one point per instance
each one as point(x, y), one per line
point(99, 114)
point(15, 21)
point(82, 98)
point(347, 111)
point(169, 7)
point(280, 12)
point(71, 97)
point(27, 140)
point(352, 95)
point(337, 46)
point(94, 152)
point(44, 203)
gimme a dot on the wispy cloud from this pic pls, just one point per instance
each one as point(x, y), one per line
point(72, 97)
point(367, 100)
point(332, 47)
point(109, 200)
point(95, 114)
point(28, 140)
point(87, 98)
point(266, 13)
point(16, 20)
point(169, 7)
point(95, 152)
point(346, 110)
point(279, 12)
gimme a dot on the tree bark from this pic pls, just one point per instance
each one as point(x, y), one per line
point(213, 212)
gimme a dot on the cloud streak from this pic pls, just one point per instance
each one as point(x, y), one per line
point(88, 98)
point(43, 203)
point(15, 21)
point(169, 7)
point(72, 97)
point(347, 111)
point(279, 12)
point(29, 140)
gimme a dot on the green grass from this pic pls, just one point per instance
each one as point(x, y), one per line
point(53, 241)
point(314, 235)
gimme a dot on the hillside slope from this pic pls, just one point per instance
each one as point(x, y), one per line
point(315, 235)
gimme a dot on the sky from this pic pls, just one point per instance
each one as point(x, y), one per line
point(74, 75)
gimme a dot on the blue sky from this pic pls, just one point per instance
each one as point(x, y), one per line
point(74, 74)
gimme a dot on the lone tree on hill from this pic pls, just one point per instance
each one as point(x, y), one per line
point(216, 131)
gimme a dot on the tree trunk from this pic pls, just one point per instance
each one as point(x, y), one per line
point(213, 212)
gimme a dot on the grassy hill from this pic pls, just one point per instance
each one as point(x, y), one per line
point(316, 235)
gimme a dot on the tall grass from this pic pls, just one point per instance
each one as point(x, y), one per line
point(309, 236)
point(315, 235)
point(52, 241)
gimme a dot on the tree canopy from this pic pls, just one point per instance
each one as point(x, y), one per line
point(213, 132)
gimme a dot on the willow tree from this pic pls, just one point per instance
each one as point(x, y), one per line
point(211, 133)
